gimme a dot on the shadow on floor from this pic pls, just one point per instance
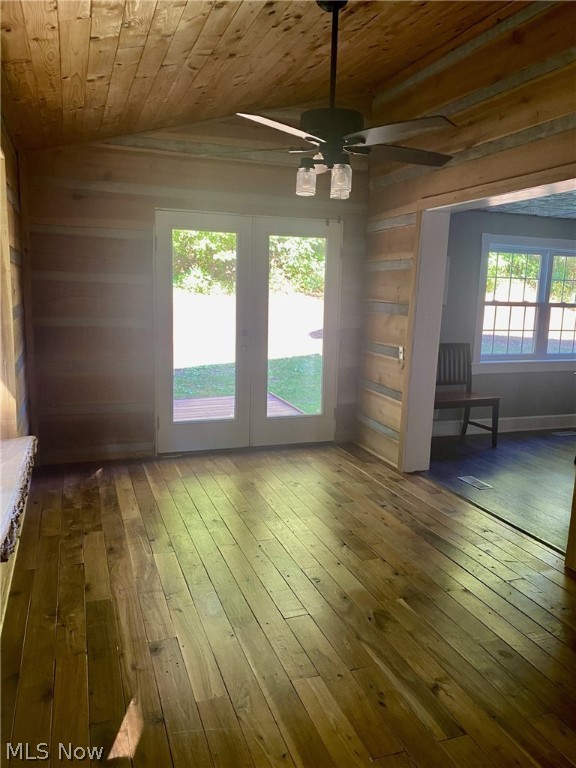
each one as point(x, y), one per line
point(531, 474)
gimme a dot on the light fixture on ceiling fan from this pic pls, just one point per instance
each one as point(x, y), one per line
point(336, 133)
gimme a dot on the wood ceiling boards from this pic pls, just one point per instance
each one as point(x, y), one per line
point(77, 70)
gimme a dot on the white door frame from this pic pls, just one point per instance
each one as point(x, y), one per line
point(250, 425)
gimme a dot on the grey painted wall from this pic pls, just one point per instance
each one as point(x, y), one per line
point(523, 394)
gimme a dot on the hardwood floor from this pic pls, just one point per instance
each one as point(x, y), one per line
point(531, 474)
point(298, 607)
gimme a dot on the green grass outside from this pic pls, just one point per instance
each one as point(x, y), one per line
point(298, 380)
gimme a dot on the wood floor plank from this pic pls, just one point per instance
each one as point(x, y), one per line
point(297, 728)
point(465, 753)
point(178, 705)
point(366, 719)
point(70, 719)
point(300, 607)
point(33, 711)
point(11, 644)
point(335, 729)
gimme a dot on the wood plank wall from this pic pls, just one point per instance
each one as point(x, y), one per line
point(15, 412)
point(511, 93)
point(91, 218)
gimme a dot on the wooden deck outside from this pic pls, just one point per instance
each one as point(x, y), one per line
point(296, 607)
point(212, 408)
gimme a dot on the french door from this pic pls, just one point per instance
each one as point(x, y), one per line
point(246, 330)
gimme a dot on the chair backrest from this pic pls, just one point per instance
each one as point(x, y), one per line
point(454, 365)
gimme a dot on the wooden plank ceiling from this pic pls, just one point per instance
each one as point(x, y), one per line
point(75, 70)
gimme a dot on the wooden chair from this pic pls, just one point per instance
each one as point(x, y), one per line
point(455, 368)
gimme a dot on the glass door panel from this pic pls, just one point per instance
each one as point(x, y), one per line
point(204, 297)
point(295, 330)
point(296, 281)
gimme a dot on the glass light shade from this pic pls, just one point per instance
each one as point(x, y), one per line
point(341, 182)
point(306, 182)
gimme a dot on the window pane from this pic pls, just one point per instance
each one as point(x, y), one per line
point(508, 331)
point(502, 289)
point(204, 324)
point(562, 331)
point(297, 268)
point(563, 285)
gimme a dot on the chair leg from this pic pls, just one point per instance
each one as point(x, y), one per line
point(495, 412)
point(465, 421)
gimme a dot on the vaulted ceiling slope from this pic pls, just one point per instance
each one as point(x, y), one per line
point(74, 70)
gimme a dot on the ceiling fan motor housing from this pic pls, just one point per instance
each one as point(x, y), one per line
point(331, 123)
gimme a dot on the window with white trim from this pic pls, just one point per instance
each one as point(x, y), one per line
point(527, 302)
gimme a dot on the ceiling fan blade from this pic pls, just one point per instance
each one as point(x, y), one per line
point(382, 134)
point(282, 127)
point(356, 150)
point(409, 155)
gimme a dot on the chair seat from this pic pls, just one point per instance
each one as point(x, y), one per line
point(460, 399)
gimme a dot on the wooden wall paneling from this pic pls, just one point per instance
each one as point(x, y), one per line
point(13, 225)
point(387, 411)
point(495, 114)
point(92, 214)
point(380, 400)
point(551, 159)
point(381, 445)
point(547, 33)
point(80, 432)
point(8, 409)
point(76, 347)
point(384, 370)
point(119, 303)
point(12, 292)
point(391, 285)
point(57, 252)
point(349, 350)
point(63, 390)
point(392, 244)
point(11, 160)
point(16, 286)
point(386, 329)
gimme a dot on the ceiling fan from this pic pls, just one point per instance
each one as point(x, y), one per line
point(336, 133)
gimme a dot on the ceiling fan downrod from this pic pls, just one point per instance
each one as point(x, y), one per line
point(334, 7)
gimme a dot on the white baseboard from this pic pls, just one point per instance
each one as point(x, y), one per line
point(509, 424)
